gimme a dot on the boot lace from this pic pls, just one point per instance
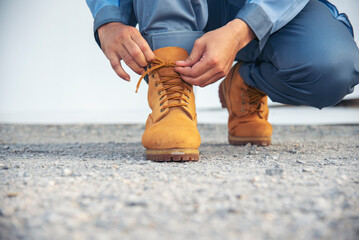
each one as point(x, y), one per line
point(255, 96)
point(173, 86)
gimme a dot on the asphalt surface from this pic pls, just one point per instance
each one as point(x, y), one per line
point(93, 182)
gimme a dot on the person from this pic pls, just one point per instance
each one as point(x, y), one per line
point(298, 52)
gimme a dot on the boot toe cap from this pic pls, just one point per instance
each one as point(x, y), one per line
point(158, 137)
point(252, 129)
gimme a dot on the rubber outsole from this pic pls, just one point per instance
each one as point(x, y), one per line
point(241, 141)
point(172, 155)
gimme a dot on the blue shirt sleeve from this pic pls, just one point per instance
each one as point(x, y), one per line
point(106, 11)
point(265, 17)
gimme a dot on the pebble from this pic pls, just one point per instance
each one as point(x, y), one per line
point(344, 177)
point(274, 171)
point(12, 194)
point(5, 167)
point(115, 166)
point(67, 172)
point(255, 179)
point(308, 170)
point(239, 196)
point(136, 203)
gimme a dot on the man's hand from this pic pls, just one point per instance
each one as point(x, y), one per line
point(122, 42)
point(213, 54)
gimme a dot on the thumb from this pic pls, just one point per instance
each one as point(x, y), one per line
point(194, 57)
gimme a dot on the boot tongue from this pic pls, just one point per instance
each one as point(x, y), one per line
point(172, 54)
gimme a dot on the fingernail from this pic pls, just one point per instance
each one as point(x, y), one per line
point(128, 79)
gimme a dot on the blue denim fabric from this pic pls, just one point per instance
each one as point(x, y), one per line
point(166, 16)
point(304, 53)
point(313, 60)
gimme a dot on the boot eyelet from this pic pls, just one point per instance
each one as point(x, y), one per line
point(243, 95)
point(243, 102)
point(159, 93)
point(189, 90)
point(153, 75)
point(243, 109)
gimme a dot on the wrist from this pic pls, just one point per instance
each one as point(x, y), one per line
point(243, 34)
point(103, 27)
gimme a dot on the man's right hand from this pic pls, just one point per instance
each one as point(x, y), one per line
point(122, 42)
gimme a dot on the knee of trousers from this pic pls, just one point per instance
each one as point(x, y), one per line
point(335, 77)
point(326, 81)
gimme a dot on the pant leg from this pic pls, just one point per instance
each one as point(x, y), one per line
point(171, 23)
point(312, 61)
point(165, 23)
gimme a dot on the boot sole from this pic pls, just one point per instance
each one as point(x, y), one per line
point(241, 141)
point(173, 155)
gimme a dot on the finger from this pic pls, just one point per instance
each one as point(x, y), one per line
point(185, 71)
point(198, 69)
point(195, 56)
point(144, 47)
point(197, 81)
point(214, 79)
point(117, 67)
point(135, 53)
point(131, 63)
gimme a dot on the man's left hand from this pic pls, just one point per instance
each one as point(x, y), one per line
point(213, 54)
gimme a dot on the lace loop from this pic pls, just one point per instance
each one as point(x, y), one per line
point(170, 85)
point(255, 97)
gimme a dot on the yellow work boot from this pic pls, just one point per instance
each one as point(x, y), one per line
point(171, 129)
point(248, 111)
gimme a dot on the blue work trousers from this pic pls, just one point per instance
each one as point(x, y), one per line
point(312, 60)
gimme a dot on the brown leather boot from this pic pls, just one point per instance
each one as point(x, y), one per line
point(171, 129)
point(248, 111)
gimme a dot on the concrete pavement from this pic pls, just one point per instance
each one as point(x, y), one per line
point(92, 182)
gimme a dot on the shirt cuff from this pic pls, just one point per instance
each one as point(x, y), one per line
point(258, 20)
point(109, 14)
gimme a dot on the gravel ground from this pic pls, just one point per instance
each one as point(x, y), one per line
point(93, 182)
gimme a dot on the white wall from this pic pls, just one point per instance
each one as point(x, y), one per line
point(51, 69)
